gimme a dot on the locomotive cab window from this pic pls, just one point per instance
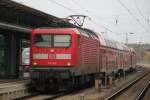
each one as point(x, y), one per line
point(52, 40)
point(43, 40)
point(62, 40)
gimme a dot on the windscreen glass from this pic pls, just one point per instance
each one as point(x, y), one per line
point(51, 40)
point(62, 40)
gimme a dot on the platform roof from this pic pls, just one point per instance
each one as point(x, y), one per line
point(21, 16)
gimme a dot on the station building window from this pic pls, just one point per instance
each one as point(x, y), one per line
point(2, 55)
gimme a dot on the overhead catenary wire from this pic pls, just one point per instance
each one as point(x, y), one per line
point(133, 16)
point(88, 11)
point(140, 12)
point(97, 17)
point(106, 28)
point(116, 20)
point(71, 10)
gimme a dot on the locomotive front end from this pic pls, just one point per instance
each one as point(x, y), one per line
point(52, 50)
point(52, 55)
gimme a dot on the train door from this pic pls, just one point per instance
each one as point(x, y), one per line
point(117, 61)
point(131, 61)
point(121, 60)
point(104, 69)
point(100, 61)
point(104, 63)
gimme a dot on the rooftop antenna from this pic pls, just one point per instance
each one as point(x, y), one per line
point(117, 20)
point(78, 19)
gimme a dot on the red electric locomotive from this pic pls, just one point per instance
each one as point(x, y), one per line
point(66, 57)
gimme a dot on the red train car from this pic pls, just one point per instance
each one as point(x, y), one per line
point(72, 56)
point(115, 58)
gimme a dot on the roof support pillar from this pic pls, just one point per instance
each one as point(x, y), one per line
point(12, 55)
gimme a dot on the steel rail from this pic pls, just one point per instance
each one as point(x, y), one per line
point(111, 97)
point(47, 96)
point(58, 95)
point(141, 95)
point(52, 96)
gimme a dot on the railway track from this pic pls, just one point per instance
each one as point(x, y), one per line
point(134, 90)
point(144, 95)
point(51, 96)
point(43, 96)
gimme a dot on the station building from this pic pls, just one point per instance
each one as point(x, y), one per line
point(16, 23)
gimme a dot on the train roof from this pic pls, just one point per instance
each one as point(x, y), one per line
point(103, 41)
point(132, 50)
point(112, 44)
point(108, 42)
point(84, 31)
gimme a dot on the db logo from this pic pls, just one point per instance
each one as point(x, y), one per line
point(52, 56)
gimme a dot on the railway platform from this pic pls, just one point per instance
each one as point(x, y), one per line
point(3, 81)
point(13, 88)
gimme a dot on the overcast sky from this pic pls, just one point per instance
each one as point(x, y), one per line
point(132, 16)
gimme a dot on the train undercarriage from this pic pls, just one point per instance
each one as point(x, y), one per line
point(114, 75)
point(60, 81)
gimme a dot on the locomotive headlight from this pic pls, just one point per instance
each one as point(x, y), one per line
point(52, 50)
point(34, 63)
point(68, 63)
